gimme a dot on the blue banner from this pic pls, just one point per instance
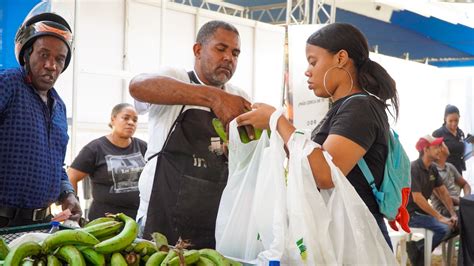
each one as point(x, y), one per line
point(12, 14)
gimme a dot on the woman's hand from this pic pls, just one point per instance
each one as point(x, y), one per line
point(259, 117)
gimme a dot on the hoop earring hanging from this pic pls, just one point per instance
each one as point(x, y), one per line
point(324, 80)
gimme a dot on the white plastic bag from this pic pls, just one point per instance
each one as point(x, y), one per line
point(252, 220)
point(236, 232)
point(356, 236)
point(309, 241)
point(269, 208)
point(28, 237)
point(334, 226)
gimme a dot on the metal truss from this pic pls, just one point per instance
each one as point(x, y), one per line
point(274, 14)
point(295, 12)
point(217, 6)
point(322, 13)
point(289, 12)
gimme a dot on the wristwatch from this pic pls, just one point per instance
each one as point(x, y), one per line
point(65, 193)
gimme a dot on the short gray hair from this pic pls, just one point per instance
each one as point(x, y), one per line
point(208, 29)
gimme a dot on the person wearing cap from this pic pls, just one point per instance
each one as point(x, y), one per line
point(425, 181)
point(453, 181)
point(453, 137)
point(33, 125)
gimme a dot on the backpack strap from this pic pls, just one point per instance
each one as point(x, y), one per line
point(379, 196)
point(350, 97)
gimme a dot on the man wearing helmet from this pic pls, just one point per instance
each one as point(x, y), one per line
point(33, 125)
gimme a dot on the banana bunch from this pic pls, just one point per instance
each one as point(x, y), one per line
point(165, 255)
point(111, 241)
point(95, 244)
point(244, 137)
point(174, 257)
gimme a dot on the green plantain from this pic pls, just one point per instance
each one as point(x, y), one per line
point(215, 256)
point(122, 240)
point(156, 259)
point(71, 255)
point(68, 237)
point(99, 221)
point(53, 261)
point(91, 256)
point(118, 260)
point(103, 229)
point(3, 249)
point(26, 249)
point(190, 257)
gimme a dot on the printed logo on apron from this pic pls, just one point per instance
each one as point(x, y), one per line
point(216, 146)
point(125, 171)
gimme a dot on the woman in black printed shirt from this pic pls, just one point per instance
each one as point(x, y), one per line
point(114, 163)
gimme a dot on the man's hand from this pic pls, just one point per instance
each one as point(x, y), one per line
point(227, 106)
point(71, 203)
point(445, 220)
point(454, 220)
point(259, 117)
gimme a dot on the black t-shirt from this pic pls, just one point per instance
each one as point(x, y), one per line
point(455, 145)
point(363, 120)
point(422, 180)
point(114, 174)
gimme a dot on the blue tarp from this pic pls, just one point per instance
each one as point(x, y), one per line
point(12, 14)
point(406, 32)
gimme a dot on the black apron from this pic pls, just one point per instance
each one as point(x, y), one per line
point(191, 173)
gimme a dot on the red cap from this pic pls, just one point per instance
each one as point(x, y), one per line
point(428, 141)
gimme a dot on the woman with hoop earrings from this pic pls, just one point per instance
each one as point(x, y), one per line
point(356, 125)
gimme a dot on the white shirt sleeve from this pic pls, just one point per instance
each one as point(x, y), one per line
point(141, 107)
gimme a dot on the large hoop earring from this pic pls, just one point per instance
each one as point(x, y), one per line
point(324, 80)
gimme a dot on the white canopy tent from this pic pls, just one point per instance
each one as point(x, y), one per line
point(114, 40)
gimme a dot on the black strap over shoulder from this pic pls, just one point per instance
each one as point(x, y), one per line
point(193, 79)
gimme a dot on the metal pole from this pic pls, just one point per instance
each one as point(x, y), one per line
point(125, 62)
point(162, 30)
point(75, 81)
point(333, 12)
point(314, 12)
point(306, 12)
point(288, 11)
point(254, 60)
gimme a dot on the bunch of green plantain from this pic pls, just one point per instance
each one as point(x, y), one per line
point(166, 255)
point(95, 244)
point(176, 257)
point(108, 240)
point(244, 137)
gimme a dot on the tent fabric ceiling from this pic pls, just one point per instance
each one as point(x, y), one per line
point(406, 33)
point(418, 36)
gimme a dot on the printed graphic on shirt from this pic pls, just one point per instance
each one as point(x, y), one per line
point(125, 171)
point(318, 127)
point(432, 178)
